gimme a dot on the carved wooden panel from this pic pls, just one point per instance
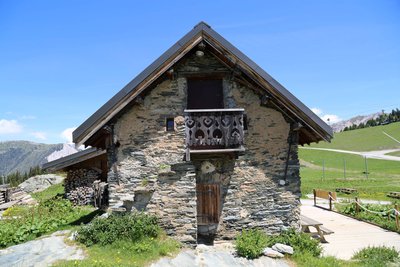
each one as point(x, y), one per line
point(214, 128)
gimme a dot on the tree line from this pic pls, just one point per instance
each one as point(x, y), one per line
point(17, 177)
point(384, 118)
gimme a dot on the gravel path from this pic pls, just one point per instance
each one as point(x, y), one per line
point(220, 255)
point(41, 252)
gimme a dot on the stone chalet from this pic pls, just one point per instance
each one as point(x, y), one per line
point(204, 139)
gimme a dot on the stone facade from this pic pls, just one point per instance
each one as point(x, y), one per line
point(148, 171)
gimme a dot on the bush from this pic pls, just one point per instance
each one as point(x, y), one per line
point(251, 243)
point(379, 219)
point(376, 256)
point(131, 227)
point(24, 223)
point(301, 242)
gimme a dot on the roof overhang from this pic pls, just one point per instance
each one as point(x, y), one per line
point(313, 125)
point(73, 159)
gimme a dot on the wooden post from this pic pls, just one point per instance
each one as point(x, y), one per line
point(315, 197)
point(396, 207)
point(7, 195)
point(330, 201)
point(366, 167)
point(357, 207)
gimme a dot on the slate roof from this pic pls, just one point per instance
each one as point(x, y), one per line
point(73, 159)
point(313, 125)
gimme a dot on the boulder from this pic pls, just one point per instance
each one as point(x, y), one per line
point(269, 252)
point(40, 182)
point(282, 248)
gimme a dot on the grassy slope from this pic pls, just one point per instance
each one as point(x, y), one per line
point(367, 139)
point(384, 176)
point(397, 154)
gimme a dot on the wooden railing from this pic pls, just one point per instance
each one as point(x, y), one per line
point(214, 129)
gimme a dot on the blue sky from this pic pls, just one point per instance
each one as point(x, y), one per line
point(61, 60)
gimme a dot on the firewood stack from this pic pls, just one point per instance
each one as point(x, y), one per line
point(79, 187)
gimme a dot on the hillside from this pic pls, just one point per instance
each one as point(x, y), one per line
point(339, 126)
point(21, 155)
point(367, 139)
point(373, 178)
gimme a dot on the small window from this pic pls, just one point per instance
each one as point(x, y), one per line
point(170, 125)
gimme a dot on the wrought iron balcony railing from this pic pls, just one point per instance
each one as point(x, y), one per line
point(214, 130)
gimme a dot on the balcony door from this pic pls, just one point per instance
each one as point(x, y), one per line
point(205, 94)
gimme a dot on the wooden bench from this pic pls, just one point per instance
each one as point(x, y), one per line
point(307, 222)
point(331, 196)
point(346, 190)
point(394, 194)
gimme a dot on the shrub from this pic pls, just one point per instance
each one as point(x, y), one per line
point(380, 219)
point(301, 242)
point(251, 243)
point(376, 256)
point(31, 222)
point(105, 231)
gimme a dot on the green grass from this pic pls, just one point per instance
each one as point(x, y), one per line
point(307, 260)
point(125, 253)
point(367, 139)
point(396, 154)
point(52, 191)
point(24, 223)
point(383, 175)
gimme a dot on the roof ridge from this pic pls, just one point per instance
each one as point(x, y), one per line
point(202, 23)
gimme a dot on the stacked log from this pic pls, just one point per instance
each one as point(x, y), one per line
point(79, 186)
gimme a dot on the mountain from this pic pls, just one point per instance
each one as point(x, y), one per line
point(339, 126)
point(21, 155)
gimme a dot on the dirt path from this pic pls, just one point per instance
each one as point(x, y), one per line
point(349, 235)
point(380, 154)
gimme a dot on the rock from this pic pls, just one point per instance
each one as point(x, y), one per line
point(41, 252)
point(269, 252)
point(40, 182)
point(73, 236)
point(283, 248)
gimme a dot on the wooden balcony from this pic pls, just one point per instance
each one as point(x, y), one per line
point(214, 130)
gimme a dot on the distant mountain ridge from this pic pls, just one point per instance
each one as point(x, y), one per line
point(21, 155)
point(339, 126)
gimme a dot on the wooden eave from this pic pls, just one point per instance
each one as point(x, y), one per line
point(314, 128)
point(70, 160)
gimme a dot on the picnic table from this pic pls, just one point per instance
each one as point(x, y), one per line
point(307, 222)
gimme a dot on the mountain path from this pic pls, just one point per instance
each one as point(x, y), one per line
point(379, 154)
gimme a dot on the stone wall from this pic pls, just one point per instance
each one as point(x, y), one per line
point(148, 171)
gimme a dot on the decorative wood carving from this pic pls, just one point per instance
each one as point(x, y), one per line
point(218, 128)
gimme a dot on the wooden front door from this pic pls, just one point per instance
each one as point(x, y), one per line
point(208, 203)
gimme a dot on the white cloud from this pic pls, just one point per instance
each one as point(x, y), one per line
point(316, 111)
point(10, 126)
point(328, 118)
point(39, 135)
point(67, 134)
point(331, 117)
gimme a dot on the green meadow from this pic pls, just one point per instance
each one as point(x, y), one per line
point(373, 178)
point(347, 170)
point(367, 139)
